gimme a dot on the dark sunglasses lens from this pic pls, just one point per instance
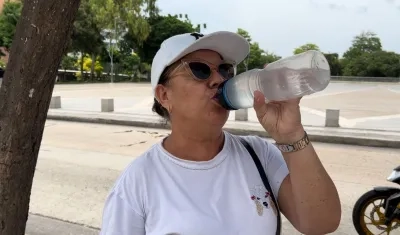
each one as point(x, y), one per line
point(200, 70)
point(227, 71)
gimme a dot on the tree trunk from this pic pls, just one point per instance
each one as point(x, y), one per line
point(39, 43)
point(92, 66)
point(82, 62)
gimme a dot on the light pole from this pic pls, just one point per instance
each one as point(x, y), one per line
point(186, 18)
point(111, 49)
point(199, 26)
point(112, 45)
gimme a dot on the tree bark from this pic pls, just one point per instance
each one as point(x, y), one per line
point(39, 43)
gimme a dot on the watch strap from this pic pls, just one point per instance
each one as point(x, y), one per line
point(296, 146)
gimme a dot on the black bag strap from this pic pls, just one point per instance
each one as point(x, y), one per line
point(264, 179)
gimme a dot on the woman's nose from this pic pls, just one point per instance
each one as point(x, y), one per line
point(215, 80)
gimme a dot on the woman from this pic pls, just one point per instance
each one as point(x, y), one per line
point(200, 179)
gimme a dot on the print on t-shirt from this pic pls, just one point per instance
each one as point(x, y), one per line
point(261, 198)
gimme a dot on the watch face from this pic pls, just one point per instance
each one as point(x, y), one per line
point(286, 148)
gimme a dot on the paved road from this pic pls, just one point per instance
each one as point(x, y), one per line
point(78, 164)
point(362, 105)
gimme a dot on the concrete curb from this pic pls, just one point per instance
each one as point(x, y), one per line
point(110, 121)
point(333, 139)
point(38, 224)
point(370, 138)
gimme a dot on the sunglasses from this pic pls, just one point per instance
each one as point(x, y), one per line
point(202, 70)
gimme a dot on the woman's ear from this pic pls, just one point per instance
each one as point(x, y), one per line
point(161, 94)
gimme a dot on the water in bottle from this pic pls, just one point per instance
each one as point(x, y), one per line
point(285, 79)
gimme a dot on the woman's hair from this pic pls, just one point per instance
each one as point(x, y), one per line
point(157, 107)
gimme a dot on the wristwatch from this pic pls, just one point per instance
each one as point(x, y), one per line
point(298, 145)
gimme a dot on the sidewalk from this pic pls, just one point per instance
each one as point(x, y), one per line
point(361, 137)
point(43, 225)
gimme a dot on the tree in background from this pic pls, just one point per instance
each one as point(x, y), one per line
point(334, 63)
point(89, 64)
point(306, 47)
point(41, 39)
point(270, 57)
point(120, 16)
point(131, 65)
point(257, 57)
point(86, 36)
point(162, 27)
point(139, 36)
point(68, 62)
point(366, 58)
point(366, 42)
point(374, 64)
point(8, 21)
point(332, 58)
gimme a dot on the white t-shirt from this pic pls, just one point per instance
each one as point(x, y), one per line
point(159, 194)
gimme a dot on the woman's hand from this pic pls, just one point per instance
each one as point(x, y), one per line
point(282, 120)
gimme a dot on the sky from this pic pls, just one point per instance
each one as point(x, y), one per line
point(279, 26)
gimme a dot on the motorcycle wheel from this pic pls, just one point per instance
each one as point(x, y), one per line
point(375, 216)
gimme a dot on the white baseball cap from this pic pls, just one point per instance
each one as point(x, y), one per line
point(231, 46)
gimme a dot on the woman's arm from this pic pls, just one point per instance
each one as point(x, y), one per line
point(308, 196)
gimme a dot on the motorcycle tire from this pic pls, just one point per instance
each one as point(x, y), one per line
point(363, 202)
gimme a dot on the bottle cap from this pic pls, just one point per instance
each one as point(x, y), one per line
point(220, 96)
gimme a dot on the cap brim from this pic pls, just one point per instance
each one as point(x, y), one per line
point(231, 46)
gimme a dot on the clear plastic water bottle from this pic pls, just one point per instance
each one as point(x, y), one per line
point(285, 79)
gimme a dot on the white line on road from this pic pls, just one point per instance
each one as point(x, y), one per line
point(322, 94)
point(377, 118)
point(392, 90)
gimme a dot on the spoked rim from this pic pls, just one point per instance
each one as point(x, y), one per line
point(376, 217)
